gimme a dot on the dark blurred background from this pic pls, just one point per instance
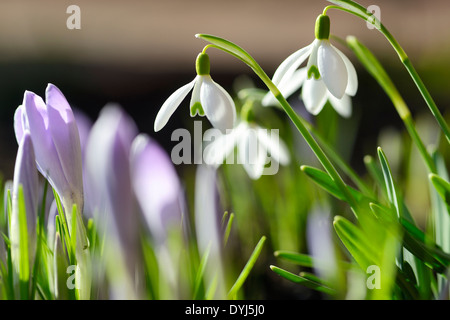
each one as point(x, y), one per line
point(137, 52)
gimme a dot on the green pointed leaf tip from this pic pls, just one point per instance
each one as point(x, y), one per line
point(322, 29)
point(202, 65)
point(442, 187)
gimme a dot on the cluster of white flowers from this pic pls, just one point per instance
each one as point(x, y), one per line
point(328, 76)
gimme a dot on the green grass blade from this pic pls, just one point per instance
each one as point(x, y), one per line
point(24, 263)
point(248, 267)
point(227, 232)
point(302, 280)
point(322, 179)
point(200, 272)
point(40, 238)
point(442, 187)
point(356, 243)
point(305, 260)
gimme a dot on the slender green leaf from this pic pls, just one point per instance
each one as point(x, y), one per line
point(200, 272)
point(442, 187)
point(247, 268)
point(324, 181)
point(228, 229)
point(24, 263)
point(305, 260)
point(302, 280)
point(356, 243)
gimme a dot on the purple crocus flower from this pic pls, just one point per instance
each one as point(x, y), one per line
point(107, 164)
point(56, 141)
point(84, 124)
point(26, 176)
point(156, 186)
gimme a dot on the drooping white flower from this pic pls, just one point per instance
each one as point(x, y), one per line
point(328, 76)
point(208, 98)
point(254, 144)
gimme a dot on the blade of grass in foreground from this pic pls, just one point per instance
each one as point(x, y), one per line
point(302, 280)
point(248, 267)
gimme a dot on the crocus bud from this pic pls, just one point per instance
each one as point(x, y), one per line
point(107, 164)
point(56, 141)
point(156, 185)
point(26, 177)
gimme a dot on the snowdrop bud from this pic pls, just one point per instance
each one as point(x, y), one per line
point(322, 30)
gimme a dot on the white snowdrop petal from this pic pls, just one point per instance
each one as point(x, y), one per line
point(171, 104)
point(342, 106)
point(252, 155)
point(332, 69)
point(217, 104)
point(290, 64)
point(195, 97)
point(352, 85)
point(274, 145)
point(314, 95)
point(217, 151)
point(289, 86)
point(312, 61)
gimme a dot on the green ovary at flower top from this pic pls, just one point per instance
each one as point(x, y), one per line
point(328, 76)
point(208, 98)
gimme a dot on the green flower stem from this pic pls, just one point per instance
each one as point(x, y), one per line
point(321, 156)
point(242, 55)
point(374, 67)
point(339, 161)
point(405, 61)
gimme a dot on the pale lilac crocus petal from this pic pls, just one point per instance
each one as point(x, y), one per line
point(274, 145)
point(352, 85)
point(218, 105)
point(19, 125)
point(320, 243)
point(171, 104)
point(107, 161)
point(66, 139)
point(342, 106)
point(25, 175)
point(314, 95)
point(47, 159)
point(216, 152)
point(84, 124)
point(156, 185)
point(252, 154)
point(207, 227)
point(332, 69)
point(290, 64)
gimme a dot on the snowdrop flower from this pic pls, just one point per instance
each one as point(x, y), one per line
point(208, 98)
point(254, 144)
point(328, 76)
point(56, 142)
